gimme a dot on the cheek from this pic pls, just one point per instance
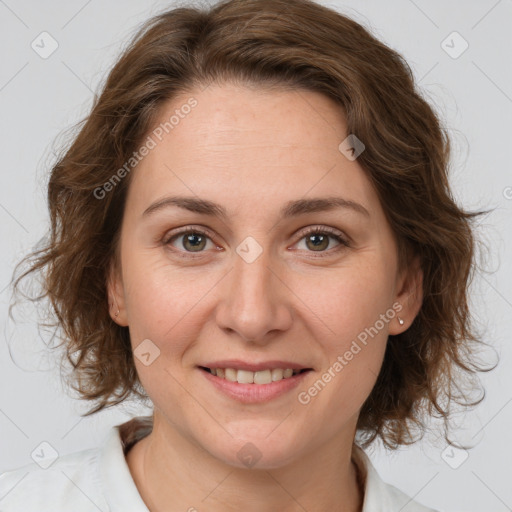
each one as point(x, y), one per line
point(349, 312)
point(160, 296)
point(347, 301)
point(354, 356)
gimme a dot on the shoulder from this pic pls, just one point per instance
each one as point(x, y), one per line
point(85, 481)
point(71, 481)
point(380, 496)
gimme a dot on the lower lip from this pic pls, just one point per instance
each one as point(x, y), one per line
point(255, 393)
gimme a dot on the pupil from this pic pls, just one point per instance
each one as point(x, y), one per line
point(320, 240)
point(195, 243)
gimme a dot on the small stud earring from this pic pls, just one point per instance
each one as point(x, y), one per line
point(117, 312)
point(400, 321)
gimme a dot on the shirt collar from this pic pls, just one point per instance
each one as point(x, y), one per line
point(119, 489)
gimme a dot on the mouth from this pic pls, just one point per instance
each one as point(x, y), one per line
point(254, 387)
point(260, 377)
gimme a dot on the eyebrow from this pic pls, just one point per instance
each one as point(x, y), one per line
point(290, 209)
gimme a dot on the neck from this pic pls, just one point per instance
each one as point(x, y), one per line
point(174, 474)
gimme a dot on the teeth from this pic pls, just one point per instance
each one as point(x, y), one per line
point(263, 377)
point(277, 374)
point(247, 377)
point(230, 374)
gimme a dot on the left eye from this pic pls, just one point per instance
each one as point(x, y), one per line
point(318, 240)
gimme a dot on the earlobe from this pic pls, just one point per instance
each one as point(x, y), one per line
point(410, 296)
point(115, 307)
point(115, 298)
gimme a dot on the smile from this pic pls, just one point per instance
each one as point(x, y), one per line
point(254, 387)
point(247, 377)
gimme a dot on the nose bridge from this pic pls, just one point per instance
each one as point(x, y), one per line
point(252, 304)
point(252, 278)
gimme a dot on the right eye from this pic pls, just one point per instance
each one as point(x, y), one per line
point(189, 240)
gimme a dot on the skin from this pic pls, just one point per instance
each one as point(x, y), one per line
point(252, 150)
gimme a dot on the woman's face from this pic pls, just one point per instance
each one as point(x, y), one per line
point(250, 286)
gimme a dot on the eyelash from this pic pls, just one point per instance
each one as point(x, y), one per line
point(317, 230)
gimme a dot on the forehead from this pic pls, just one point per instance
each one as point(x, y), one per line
point(262, 144)
point(228, 115)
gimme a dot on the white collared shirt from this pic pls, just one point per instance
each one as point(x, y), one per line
point(99, 479)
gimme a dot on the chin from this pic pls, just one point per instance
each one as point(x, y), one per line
point(258, 451)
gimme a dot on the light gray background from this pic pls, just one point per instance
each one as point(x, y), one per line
point(40, 97)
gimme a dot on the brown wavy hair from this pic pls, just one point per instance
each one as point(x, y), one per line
point(299, 45)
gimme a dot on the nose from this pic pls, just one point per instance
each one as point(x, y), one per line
point(255, 302)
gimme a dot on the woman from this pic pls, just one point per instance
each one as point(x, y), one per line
point(254, 229)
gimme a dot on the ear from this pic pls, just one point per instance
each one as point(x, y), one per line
point(409, 295)
point(115, 294)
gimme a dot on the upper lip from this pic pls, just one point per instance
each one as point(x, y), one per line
point(238, 364)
